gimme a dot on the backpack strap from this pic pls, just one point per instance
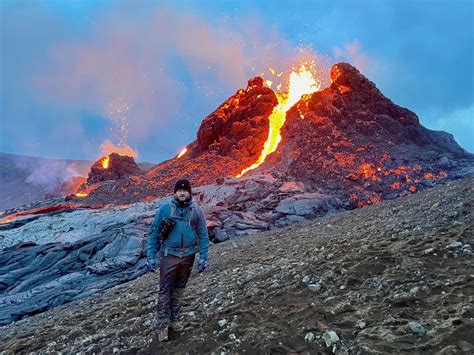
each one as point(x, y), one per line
point(191, 214)
point(192, 222)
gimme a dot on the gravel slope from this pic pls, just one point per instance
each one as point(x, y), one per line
point(395, 277)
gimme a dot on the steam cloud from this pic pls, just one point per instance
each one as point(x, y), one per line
point(51, 174)
point(128, 68)
point(352, 53)
point(108, 147)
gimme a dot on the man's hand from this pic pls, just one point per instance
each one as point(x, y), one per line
point(151, 265)
point(201, 265)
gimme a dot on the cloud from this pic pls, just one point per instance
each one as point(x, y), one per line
point(352, 53)
point(51, 175)
point(108, 147)
point(134, 77)
point(137, 70)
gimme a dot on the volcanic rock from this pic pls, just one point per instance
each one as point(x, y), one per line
point(416, 328)
point(239, 126)
point(324, 164)
point(59, 258)
point(309, 337)
point(310, 205)
point(117, 167)
point(330, 338)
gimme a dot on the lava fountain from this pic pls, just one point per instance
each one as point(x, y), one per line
point(105, 162)
point(183, 151)
point(301, 82)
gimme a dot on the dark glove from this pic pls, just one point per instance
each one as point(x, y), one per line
point(151, 265)
point(201, 265)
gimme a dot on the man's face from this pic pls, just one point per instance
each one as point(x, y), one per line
point(182, 195)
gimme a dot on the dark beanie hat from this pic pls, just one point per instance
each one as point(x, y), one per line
point(182, 184)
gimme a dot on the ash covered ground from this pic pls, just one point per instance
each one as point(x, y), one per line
point(393, 277)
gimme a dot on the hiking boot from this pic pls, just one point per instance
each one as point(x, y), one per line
point(176, 326)
point(160, 328)
point(162, 334)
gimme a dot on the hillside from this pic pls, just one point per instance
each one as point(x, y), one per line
point(397, 276)
point(26, 179)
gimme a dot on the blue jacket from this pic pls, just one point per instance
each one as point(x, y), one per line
point(187, 237)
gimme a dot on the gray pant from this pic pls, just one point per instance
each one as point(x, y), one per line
point(174, 275)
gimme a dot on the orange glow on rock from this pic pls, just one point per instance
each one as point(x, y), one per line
point(84, 191)
point(366, 170)
point(396, 185)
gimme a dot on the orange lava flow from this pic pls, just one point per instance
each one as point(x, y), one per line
point(85, 191)
point(301, 82)
point(43, 210)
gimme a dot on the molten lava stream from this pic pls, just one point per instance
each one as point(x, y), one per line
point(45, 210)
point(301, 82)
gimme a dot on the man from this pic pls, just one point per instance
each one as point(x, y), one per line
point(187, 237)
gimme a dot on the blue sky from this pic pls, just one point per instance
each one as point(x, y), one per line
point(76, 73)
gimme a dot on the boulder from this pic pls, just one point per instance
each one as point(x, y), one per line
point(112, 167)
point(309, 205)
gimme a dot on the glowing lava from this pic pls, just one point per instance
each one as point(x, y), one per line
point(105, 162)
point(301, 82)
point(84, 191)
point(44, 210)
point(183, 151)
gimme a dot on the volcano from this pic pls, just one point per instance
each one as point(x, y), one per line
point(340, 148)
point(347, 140)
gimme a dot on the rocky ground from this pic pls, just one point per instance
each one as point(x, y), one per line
point(57, 254)
point(394, 277)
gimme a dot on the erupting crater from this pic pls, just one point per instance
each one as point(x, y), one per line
point(112, 167)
